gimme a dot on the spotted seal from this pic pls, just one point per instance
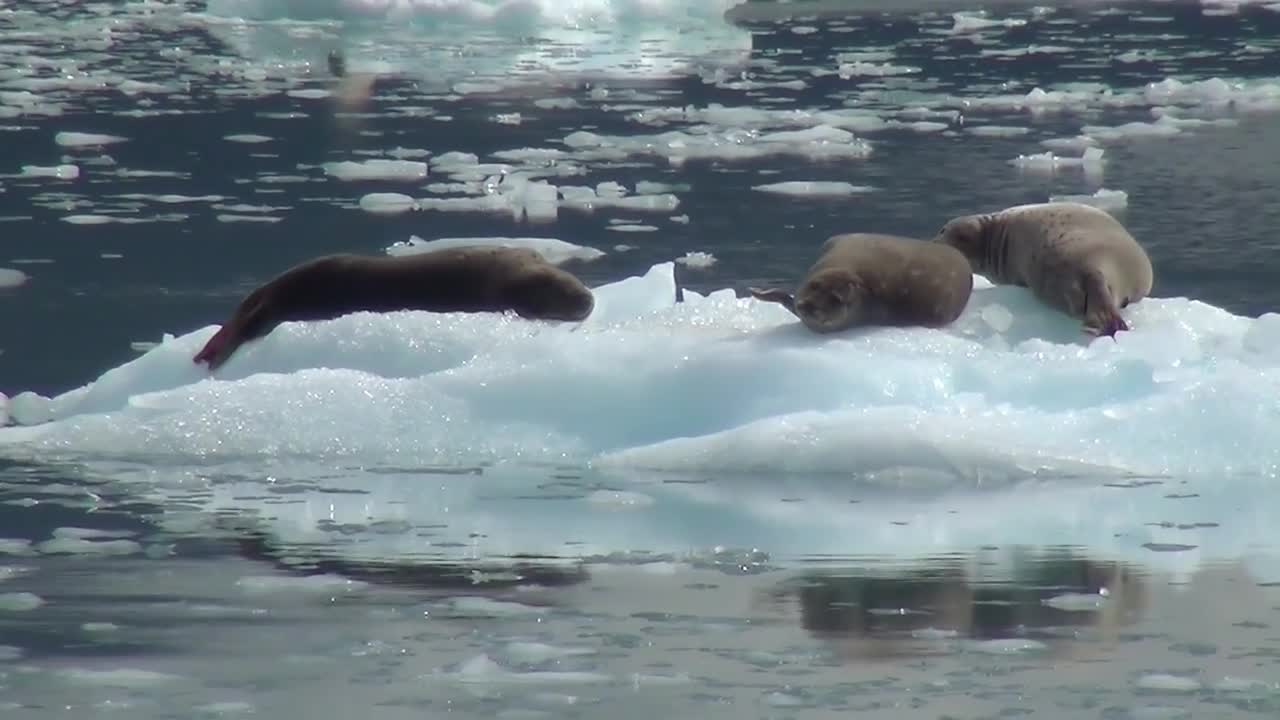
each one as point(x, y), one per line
point(1074, 257)
point(863, 279)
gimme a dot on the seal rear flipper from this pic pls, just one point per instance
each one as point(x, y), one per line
point(782, 297)
point(216, 350)
point(1101, 316)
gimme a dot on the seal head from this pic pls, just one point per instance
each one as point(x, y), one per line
point(829, 301)
point(545, 292)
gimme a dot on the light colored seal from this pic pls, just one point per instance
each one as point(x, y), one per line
point(1073, 257)
point(463, 279)
point(863, 279)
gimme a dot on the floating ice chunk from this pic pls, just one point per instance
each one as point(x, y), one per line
point(1162, 127)
point(1006, 646)
point(1076, 602)
point(15, 546)
point(309, 93)
point(1077, 144)
point(1046, 161)
point(328, 583)
point(1109, 200)
point(1167, 683)
point(1263, 337)
point(483, 670)
point(697, 259)
point(80, 139)
point(82, 546)
point(859, 68)
point(535, 652)
point(62, 172)
point(828, 188)
point(485, 607)
point(9, 653)
point(248, 138)
point(969, 22)
point(387, 203)
point(632, 227)
point(12, 278)
point(615, 499)
point(99, 627)
point(377, 169)
point(20, 601)
point(996, 130)
point(554, 250)
point(118, 678)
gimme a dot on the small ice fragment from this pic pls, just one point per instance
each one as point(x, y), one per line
point(80, 139)
point(619, 498)
point(309, 93)
point(387, 203)
point(119, 678)
point(80, 546)
point(11, 278)
point(997, 317)
point(1007, 645)
point(246, 138)
point(816, 188)
point(377, 169)
point(99, 627)
point(62, 172)
point(309, 583)
point(697, 259)
point(8, 653)
point(1168, 683)
point(1104, 199)
point(20, 601)
point(535, 652)
point(1076, 601)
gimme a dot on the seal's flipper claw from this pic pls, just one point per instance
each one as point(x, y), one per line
point(214, 351)
point(782, 297)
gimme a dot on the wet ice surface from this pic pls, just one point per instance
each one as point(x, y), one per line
point(685, 506)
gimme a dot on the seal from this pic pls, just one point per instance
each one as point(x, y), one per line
point(1074, 257)
point(461, 279)
point(863, 279)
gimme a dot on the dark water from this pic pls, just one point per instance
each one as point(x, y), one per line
point(216, 612)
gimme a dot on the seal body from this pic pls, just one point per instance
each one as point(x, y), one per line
point(463, 279)
point(864, 279)
point(1073, 257)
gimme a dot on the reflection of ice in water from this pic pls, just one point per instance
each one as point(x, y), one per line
point(633, 38)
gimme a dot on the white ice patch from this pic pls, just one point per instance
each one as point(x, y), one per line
point(816, 188)
point(1109, 200)
point(19, 602)
point(12, 278)
point(697, 259)
point(85, 140)
point(555, 251)
point(377, 169)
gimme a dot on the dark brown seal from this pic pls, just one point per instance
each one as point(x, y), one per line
point(1074, 257)
point(872, 279)
point(463, 279)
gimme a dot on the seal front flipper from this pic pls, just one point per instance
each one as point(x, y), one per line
point(215, 351)
point(782, 297)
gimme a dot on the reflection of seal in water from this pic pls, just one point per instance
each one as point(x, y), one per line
point(1074, 257)
point(872, 279)
point(464, 279)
